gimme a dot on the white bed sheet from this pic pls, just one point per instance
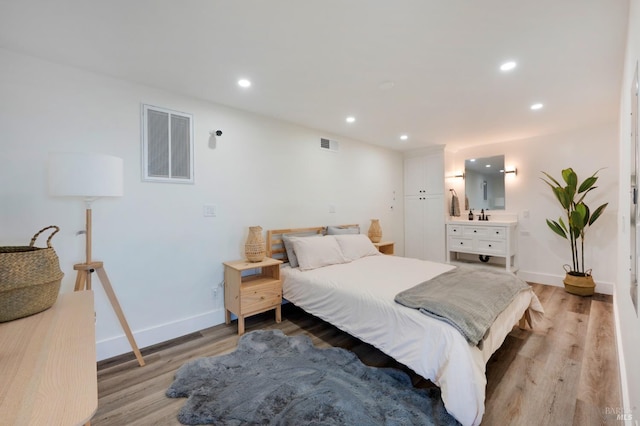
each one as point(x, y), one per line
point(358, 297)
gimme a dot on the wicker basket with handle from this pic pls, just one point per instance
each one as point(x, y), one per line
point(29, 278)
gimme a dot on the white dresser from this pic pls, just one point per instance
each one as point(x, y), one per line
point(484, 238)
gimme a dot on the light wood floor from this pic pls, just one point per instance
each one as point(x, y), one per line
point(565, 372)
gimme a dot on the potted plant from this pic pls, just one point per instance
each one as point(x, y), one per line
point(578, 218)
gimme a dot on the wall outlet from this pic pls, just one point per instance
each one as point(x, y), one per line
point(209, 210)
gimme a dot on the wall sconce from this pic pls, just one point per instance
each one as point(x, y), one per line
point(514, 171)
point(458, 174)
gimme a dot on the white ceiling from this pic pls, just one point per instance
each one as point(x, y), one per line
point(316, 62)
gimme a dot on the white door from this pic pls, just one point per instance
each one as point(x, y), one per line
point(414, 224)
point(434, 228)
point(415, 176)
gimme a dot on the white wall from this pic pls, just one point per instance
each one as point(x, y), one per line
point(162, 256)
point(627, 320)
point(542, 253)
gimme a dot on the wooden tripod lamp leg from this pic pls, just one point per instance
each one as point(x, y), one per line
point(108, 289)
point(81, 279)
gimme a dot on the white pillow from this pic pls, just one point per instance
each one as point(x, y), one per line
point(315, 253)
point(288, 245)
point(355, 246)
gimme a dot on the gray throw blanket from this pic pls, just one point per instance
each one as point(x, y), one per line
point(468, 298)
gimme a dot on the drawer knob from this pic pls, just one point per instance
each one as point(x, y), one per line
point(474, 231)
point(461, 243)
point(489, 245)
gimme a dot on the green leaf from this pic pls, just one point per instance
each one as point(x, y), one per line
point(582, 211)
point(581, 199)
point(563, 197)
point(570, 177)
point(570, 193)
point(556, 228)
point(563, 225)
point(587, 184)
point(551, 179)
point(576, 222)
point(596, 214)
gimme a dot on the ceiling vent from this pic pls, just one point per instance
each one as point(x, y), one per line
point(329, 145)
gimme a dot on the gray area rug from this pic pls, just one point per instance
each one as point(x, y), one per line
point(272, 379)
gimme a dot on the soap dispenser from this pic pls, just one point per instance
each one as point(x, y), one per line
point(470, 214)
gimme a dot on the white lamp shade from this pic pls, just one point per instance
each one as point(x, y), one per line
point(85, 175)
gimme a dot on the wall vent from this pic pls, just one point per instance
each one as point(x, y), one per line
point(329, 145)
point(167, 145)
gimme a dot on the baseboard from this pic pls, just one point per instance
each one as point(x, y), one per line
point(602, 287)
point(119, 345)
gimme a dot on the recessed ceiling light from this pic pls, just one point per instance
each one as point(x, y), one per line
point(243, 82)
point(386, 85)
point(508, 66)
point(404, 137)
point(487, 165)
point(351, 119)
point(472, 160)
point(536, 106)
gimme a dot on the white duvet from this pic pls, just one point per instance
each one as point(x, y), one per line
point(357, 297)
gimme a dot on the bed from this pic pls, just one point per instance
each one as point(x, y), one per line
point(357, 295)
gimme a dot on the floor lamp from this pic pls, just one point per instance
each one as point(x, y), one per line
point(91, 176)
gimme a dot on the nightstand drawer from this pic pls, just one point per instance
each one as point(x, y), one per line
point(261, 297)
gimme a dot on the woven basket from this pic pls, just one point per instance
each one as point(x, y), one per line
point(29, 278)
point(580, 284)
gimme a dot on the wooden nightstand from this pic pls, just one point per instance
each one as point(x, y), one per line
point(385, 247)
point(252, 294)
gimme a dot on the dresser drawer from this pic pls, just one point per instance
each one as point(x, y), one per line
point(497, 233)
point(455, 230)
point(476, 231)
point(491, 247)
point(460, 244)
point(255, 298)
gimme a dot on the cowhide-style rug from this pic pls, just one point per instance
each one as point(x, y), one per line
point(273, 379)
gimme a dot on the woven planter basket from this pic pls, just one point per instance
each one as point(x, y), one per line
point(580, 284)
point(29, 278)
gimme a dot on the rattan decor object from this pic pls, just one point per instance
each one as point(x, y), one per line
point(29, 278)
point(254, 248)
point(375, 231)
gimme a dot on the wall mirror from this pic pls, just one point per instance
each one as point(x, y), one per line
point(484, 183)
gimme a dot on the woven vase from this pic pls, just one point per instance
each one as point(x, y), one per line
point(375, 231)
point(254, 248)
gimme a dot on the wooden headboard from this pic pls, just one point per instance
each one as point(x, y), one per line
point(275, 246)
